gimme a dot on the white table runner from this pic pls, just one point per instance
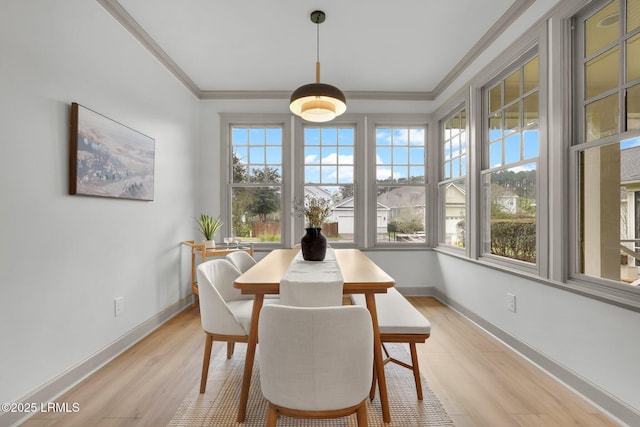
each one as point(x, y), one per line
point(312, 283)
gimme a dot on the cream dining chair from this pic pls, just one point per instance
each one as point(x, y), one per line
point(315, 362)
point(225, 313)
point(241, 260)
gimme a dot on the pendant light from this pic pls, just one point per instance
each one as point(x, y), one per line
point(318, 102)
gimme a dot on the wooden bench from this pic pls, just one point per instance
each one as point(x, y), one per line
point(399, 322)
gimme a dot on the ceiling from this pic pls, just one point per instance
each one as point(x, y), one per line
point(405, 49)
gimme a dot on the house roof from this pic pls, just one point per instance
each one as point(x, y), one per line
point(630, 165)
point(347, 204)
point(403, 196)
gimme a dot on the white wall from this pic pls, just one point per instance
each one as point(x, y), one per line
point(597, 341)
point(64, 258)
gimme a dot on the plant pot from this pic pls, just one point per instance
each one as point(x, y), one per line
point(209, 244)
point(314, 244)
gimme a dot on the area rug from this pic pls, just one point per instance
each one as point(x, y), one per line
point(218, 406)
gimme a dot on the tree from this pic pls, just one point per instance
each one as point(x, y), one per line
point(266, 175)
point(241, 198)
point(239, 170)
point(346, 191)
point(264, 201)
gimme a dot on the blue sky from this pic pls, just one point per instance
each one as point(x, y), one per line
point(330, 151)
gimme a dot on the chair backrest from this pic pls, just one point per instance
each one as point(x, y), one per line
point(215, 289)
point(315, 358)
point(241, 260)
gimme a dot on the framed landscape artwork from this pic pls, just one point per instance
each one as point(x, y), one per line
point(108, 159)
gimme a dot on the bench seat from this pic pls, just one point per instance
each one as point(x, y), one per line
point(399, 322)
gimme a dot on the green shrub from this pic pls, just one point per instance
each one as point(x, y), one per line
point(514, 239)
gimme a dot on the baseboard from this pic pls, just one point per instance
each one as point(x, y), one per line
point(618, 410)
point(51, 390)
point(420, 291)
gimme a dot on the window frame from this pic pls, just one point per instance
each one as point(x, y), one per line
point(229, 120)
point(346, 120)
point(527, 48)
point(400, 120)
point(601, 288)
point(444, 182)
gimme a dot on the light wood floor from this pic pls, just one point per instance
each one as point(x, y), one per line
point(479, 381)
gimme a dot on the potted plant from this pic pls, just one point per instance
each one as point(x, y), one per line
point(315, 210)
point(207, 225)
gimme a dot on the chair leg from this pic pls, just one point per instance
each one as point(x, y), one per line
point(374, 378)
point(230, 347)
point(272, 415)
point(361, 415)
point(208, 342)
point(416, 369)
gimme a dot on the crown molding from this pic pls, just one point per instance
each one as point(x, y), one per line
point(390, 96)
point(508, 18)
point(245, 94)
point(285, 94)
point(115, 9)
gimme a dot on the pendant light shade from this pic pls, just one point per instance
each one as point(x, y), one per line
point(318, 102)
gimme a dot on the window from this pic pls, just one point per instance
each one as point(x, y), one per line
point(329, 171)
point(452, 190)
point(607, 143)
point(510, 163)
point(400, 190)
point(389, 209)
point(256, 177)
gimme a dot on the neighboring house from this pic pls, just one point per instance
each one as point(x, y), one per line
point(508, 201)
point(404, 203)
point(343, 213)
point(630, 210)
point(317, 192)
point(455, 214)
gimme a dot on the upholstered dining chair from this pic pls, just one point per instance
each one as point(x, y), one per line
point(241, 260)
point(225, 313)
point(315, 362)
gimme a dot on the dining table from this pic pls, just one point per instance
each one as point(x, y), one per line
point(361, 276)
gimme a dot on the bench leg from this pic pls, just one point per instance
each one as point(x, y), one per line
point(416, 369)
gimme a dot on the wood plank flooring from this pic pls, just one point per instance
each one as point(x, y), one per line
point(479, 381)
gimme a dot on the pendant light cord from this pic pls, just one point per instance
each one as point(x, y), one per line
point(317, 42)
point(317, 52)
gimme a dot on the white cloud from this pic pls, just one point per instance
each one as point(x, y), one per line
point(333, 159)
point(383, 173)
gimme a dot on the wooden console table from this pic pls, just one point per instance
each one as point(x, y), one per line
point(199, 249)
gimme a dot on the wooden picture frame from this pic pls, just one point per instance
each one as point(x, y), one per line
point(108, 159)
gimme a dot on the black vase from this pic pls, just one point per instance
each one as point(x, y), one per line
point(314, 244)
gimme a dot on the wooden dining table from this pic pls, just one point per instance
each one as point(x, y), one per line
point(361, 276)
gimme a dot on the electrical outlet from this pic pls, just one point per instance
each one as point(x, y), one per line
point(118, 306)
point(511, 302)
